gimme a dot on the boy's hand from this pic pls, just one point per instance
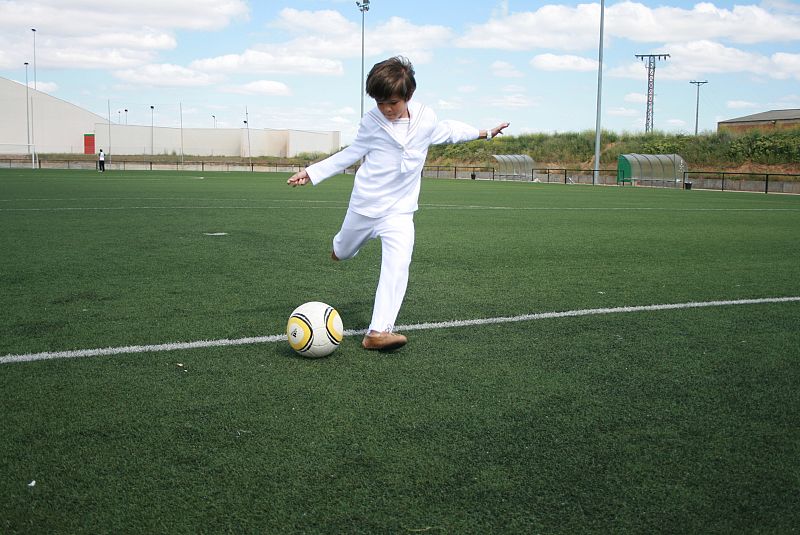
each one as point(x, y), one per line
point(300, 178)
point(497, 130)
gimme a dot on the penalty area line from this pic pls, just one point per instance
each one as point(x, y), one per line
point(176, 346)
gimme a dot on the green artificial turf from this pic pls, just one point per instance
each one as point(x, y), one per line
point(658, 421)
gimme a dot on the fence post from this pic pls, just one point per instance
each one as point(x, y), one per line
point(766, 184)
point(723, 181)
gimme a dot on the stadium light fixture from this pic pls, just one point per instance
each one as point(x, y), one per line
point(363, 6)
point(215, 120)
point(126, 116)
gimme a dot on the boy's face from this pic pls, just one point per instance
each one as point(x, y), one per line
point(393, 108)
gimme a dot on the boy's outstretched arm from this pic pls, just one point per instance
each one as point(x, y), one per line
point(496, 131)
point(300, 178)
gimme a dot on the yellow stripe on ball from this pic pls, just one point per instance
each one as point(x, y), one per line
point(299, 332)
point(333, 324)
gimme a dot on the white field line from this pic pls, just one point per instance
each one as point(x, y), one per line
point(339, 205)
point(175, 346)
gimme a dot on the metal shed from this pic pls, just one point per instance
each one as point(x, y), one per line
point(658, 170)
point(514, 166)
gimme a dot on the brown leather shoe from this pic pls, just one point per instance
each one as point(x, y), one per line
point(384, 341)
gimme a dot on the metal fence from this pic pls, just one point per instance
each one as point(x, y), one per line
point(709, 180)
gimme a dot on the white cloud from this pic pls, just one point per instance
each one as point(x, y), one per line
point(741, 104)
point(562, 27)
point(786, 65)
point(676, 123)
point(504, 69)
point(550, 26)
point(742, 24)
point(512, 101)
point(449, 104)
point(105, 34)
point(623, 112)
point(260, 62)
point(636, 98)
point(166, 75)
point(261, 87)
point(553, 62)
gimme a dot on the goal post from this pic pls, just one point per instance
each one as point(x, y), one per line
point(18, 155)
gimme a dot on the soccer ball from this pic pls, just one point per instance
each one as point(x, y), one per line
point(315, 329)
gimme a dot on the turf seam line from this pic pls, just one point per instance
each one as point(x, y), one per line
point(174, 346)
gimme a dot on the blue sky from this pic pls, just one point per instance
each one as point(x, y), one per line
point(298, 64)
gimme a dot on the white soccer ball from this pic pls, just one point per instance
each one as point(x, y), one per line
point(315, 329)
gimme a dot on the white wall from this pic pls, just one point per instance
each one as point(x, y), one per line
point(58, 127)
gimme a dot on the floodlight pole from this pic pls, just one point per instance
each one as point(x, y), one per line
point(34, 57)
point(214, 117)
point(363, 6)
point(152, 131)
point(597, 127)
point(247, 125)
point(651, 77)
point(27, 109)
point(126, 116)
point(697, 106)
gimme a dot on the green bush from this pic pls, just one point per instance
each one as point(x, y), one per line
point(719, 149)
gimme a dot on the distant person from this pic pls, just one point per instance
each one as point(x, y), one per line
point(101, 161)
point(393, 139)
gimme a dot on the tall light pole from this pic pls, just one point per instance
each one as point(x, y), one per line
point(152, 130)
point(126, 116)
point(247, 125)
point(215, 120)
point(363, 6)
point(597, 127)
point(34, 57)
point(697, 106)
point(27, 109)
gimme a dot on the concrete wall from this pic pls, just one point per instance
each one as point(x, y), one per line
point(58, 127)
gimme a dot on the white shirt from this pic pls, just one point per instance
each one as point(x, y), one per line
point(388, 182)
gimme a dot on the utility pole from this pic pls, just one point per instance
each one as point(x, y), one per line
point(651, 76)
point(697, 106)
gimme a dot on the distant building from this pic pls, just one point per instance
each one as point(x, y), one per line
point(56, 126)
point(768, 120)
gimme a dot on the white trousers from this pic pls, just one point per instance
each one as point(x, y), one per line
point(396, 233)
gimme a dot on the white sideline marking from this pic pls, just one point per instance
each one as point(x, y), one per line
point(175, 346)
point(430, 206)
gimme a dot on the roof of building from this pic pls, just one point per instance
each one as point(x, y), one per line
point(772, 115)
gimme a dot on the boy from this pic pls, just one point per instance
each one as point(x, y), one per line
point(393, 140)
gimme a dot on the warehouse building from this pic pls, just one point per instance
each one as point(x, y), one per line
point(765, 121)
point(54, 126)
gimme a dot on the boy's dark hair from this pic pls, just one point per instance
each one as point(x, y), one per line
point(393, 77)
